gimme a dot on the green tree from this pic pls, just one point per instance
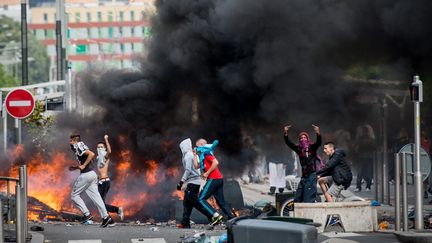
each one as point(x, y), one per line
point(10, 34)
point(6, 80)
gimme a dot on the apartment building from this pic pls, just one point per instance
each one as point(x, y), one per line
point(108, 32)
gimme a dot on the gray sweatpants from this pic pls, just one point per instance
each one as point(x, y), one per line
point(88, 182)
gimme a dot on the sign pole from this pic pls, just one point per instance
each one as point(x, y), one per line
point(4, 113)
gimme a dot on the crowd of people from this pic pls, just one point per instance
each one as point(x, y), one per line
point(200, 164)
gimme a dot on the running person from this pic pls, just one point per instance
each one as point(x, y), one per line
point(214, 183)
point(86, 182)
point(103, 161)
point(190, 176)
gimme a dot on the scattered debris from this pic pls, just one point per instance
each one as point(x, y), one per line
point(154, 229)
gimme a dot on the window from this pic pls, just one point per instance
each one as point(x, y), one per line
point(45, 33)
point(110, 32)
point(132, 31)
point(81, 49)
point(89, 17)
point(133, 46)
point(89, 33)
point(99, 16)
point(99, 32)
point(110, 16)
point(45, 17)
point(121, 14)
point(120, 30)
point(122, 47)
point(143, 14)
point(132, 15)
point(77, 17)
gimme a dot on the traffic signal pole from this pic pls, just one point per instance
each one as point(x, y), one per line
point(416, 91)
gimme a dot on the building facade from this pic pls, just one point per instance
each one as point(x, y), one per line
point(107, 32)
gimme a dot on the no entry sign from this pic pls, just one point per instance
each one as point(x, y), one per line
point(19, 103)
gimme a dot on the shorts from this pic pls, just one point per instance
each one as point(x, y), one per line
point(335, 190)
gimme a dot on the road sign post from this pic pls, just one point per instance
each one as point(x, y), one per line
point(19, 103)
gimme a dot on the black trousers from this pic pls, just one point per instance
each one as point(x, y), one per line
point(190, 201)
point(214, 187)
point(103, 188)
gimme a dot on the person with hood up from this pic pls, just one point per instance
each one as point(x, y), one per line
point(309, 160)
point(338, 169)
point(190, 176)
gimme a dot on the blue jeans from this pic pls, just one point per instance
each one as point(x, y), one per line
point(307, 189)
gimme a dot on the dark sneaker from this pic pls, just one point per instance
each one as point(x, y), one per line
point(216, 220)
point(107, 221)
point(86, 218)
point(183, 226)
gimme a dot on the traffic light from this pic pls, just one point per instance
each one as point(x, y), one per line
point(416, 90)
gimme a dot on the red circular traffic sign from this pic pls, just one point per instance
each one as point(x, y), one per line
point(19, 103)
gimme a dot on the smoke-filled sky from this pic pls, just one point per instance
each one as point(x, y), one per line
point(251, 67)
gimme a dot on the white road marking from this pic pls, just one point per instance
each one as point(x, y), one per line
point(148, 240)
point(85, 241)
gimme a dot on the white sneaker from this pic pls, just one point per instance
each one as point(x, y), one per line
point(368, 189)
point(120, 213)
point(357, 190)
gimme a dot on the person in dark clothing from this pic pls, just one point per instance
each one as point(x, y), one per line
point(307, 152)
point(191, 177)
point(338, 169)
point(364, 147)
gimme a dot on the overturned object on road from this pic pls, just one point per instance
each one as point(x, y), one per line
point(264, 231)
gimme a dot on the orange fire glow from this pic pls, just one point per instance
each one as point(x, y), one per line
point(179, 194)
point(151, 172)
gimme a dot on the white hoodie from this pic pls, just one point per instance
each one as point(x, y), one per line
point(191, 175)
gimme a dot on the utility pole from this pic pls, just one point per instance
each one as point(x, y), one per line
point(59, 43)
point(24, 53)
point(416, 91)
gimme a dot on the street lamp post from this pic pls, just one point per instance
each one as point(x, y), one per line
point(24, 50)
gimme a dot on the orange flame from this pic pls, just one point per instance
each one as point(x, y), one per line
point(151, 172)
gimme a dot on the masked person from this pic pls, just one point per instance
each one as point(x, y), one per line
point(309, 160)
point(86, 182)
point(190, 176)
point(103, 161)
point(214, 181)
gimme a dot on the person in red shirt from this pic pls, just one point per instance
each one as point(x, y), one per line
point(213, 186)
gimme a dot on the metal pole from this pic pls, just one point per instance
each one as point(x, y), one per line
point(380, 181)
point(4, 129)
point(375, 175)
point(19, 216)
point(418, 183)
point(69, 88)
point(397, 192)
point(17, 131)
point(404, 193)
point(23, 184)
point(1, 222)
point(59, 62)
point(9, 219)
point(24, 53)
point(386, 194)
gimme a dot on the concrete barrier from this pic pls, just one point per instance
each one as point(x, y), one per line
point(355, 216)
